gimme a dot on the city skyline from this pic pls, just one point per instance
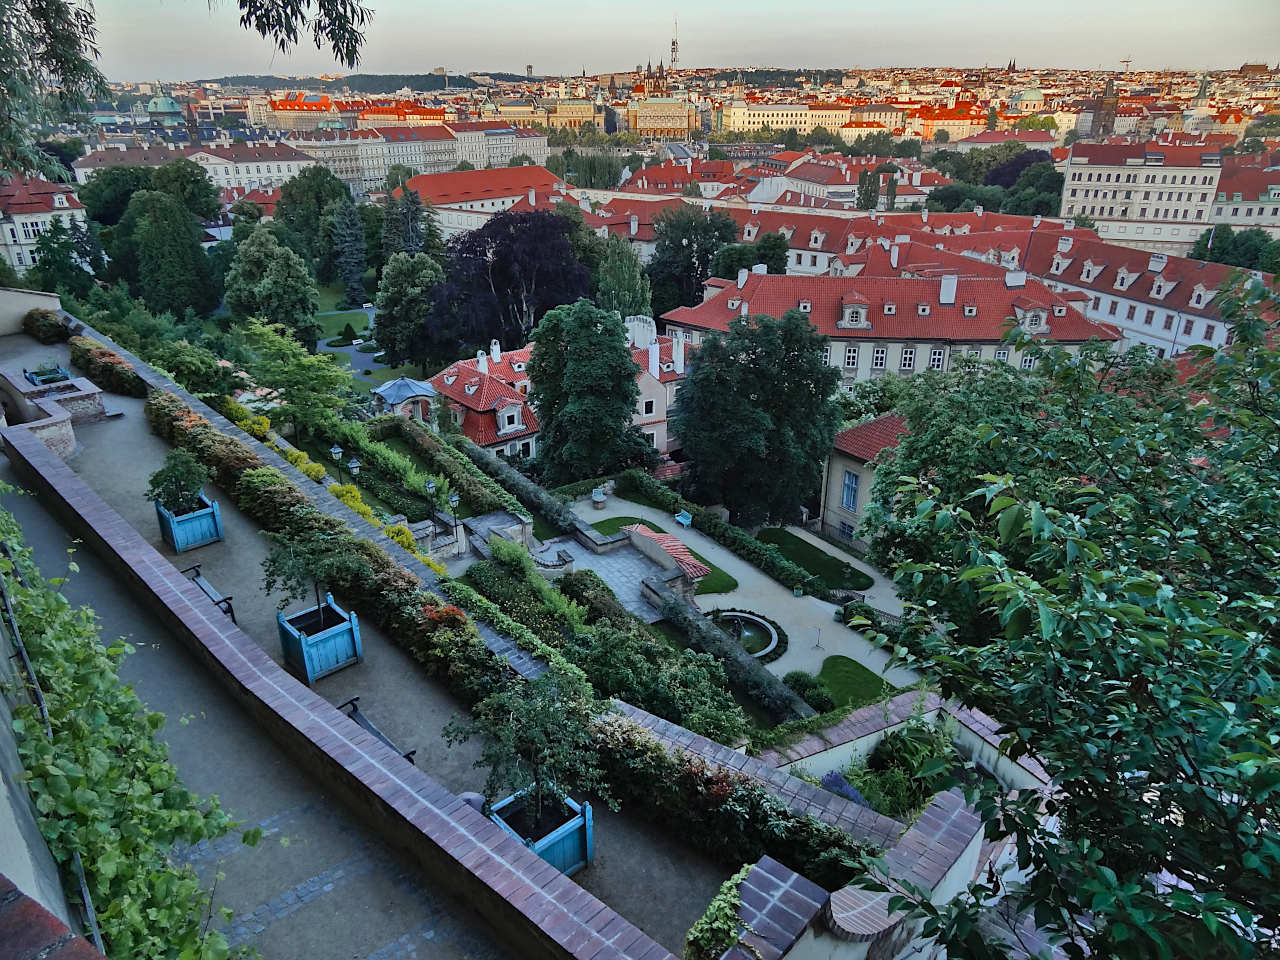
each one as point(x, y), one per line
point(136, 43)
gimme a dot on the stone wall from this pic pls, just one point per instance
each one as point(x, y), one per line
point(14, 305)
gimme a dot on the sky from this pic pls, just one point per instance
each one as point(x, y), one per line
point(201, 39)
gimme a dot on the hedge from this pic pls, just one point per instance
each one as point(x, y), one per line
point(386, 473)
point(572, 491)
point(478, 491)
point(587, 588)
point(106, 368)
point(765, 556)
point(743, 670)
point(45, 325)
point(530, 494)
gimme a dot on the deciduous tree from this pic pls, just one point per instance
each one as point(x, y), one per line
point(404, 308)
point(620, 282)
point(272, 283)
point(303, 199)
point(686, 243)
point(108, 191)
point(186, 181)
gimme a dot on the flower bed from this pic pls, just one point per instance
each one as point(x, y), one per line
point(103, 784)
point(106, 368)
point(480, 492)
point(763, 555)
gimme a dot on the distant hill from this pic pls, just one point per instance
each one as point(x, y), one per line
point(376, 83)
point(780, 78)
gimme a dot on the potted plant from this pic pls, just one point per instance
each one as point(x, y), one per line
point(311, 555)
point(49, 371)
point(538, 739)
point(188, 518)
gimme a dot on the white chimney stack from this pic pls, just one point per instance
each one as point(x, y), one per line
point(760, 268)
point(743, 272)
point(893, 256)
point(482, 361)
point(924, 216)
point(495, 351)
point(1014, 279)
point(947, 291)
point(654, 360)
point(533, 196)
point(978, 209)
point(584, 204)
point(677, 353)
point(1157, 262)
point(635, 224)
point(1035, 221)
point(1064, 244)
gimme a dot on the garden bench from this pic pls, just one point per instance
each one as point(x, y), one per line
point(356, 715)
point(684, 518)
point(192, 573)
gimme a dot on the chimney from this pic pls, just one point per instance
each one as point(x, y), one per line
point(495, 351)
point(677, 353)
point(893, 256)
point(1015, 279)
point(533, 196)
point(924, 216)
point(978, 209)
point(635, 224)
point(1035, 221)
point(1157, 262)
point(947, 291)
point(1064, 244)
point(482, 361)
point(742, 277)
point(654, 360)
point(584, 204)
point(760, 268)
point(744, 308)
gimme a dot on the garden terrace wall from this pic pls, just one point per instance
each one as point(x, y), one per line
point(777, 907)
point(52, 410)
point(525, 899)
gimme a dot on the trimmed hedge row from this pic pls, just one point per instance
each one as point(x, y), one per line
point(587, 588)
point(388, 474)
point(572, 491)
point(45, 325)
point(743, 670)
point(479, 492)
point(765, 556)
point(106, 368)
point(530, 494)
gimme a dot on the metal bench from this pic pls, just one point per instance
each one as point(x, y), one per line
point(684, 518)
point(359, 717)
point(192, 573)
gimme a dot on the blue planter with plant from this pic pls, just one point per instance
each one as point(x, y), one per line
point(568, 847)
point(320, 640)
point(47, 373)
point(188, 519)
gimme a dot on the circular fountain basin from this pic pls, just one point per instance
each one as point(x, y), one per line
point(758, 637)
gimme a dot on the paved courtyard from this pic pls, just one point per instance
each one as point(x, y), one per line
point(812, 632)
point(622, 569)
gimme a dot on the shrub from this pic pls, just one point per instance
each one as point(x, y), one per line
point(719, 927)
point(106, 368)
point(811, 690)
point(177, 485)
point(555, 510)
point(256, 426)
point(572, 491)
point(476, 489)
point(45, 325)
point(267, 496)
point(586, 587)
point(903, 773)
point(233, 410)
point(350, 495)
point(314, 471)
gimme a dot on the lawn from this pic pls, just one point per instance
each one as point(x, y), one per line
point(851, 683)
point(331, 324)
point(329, 296)
point(717, 581)
point(544, 530)
point(834, 573)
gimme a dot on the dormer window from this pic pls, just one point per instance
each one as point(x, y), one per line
point(854, 316)
point(749, 233)
point(449, 378)
point(922, 309)
point(1158, 288)
point(472, 387)
point(59, 200)
point(815, 239)
point(1090, 271)
point(787, 232)
point(1124, 278)
point(970, 310)
point(734, 302)
point(890, 309)
point(1059, 310)
point(1034, 321)
point(806, 306)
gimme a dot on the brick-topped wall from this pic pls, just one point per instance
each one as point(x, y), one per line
point(777, 906)
point(800, 796)
point(524, 898)
point(860, 725)
point(30, 932)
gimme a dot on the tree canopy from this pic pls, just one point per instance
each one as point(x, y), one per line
point(771, 249)
point(303, 199)
point(107, 192)
point(687, 239)
point(271, 282)
point(186, 181)
point(620, 281)
point(583, 386)
point(156, 248)
point(756, 416)
point(1253, 249)
point(406, 294)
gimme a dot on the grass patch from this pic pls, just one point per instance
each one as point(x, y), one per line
point(542, 529)
point(328, 296)
point(717, 581)
point(834, 573)
point(852, 684)
point(398, 444)
point(331, 325)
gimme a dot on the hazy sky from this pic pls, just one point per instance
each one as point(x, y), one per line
point(195, 39)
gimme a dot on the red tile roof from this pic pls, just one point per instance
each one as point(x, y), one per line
point(481, 397)
point(865, 441)
point(675, 548)
point(466, 185)
point(28, 195)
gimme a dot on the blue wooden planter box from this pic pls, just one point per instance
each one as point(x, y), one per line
point(569, 847)
point(191, 530)
point(317, 654)
point(40, 377)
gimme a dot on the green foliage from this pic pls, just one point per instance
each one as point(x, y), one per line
point(585, 392)
point(686, 243)
point(906, 768)
point(156, 249)
point(590, 171)
point(810, 689)
point(475, 489)
point(771, 249)
point(306, 388)
point(60, 265)
point(756, 417)
point(405, 296)
point(177, 485)
point(186, 181)
point(103, 785)
point(272, 283)
point(1108, 592)
point(345, 233)
point(621, 284)
point(831, 571)
point(719, 927)
point(398, 175)
point(538, 732)
point(303, 199)
point(46, 326)
point(1252, 249)
point(106, 368)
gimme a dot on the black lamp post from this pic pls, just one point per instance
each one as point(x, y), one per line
point(454, 499)
point(354, 467)
point(336, 452)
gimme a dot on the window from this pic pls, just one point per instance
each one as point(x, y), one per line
point(511, 419)
point(850, 356)
point(651, 437)
point(908, 358)
point(1129, 313)
point(878, 358)
point(846, 530)
point(937, 356)
point(1187, 327)
point(922, 309)
point(890, 309)
point(1002, 354)
point(1149, 318)
point(1208, 331)
point(648, 407)
point(1168, 321)
point(1111, 310)
point(826, 354)
point(849, 495)
point(525, 449)
point(1028, 362)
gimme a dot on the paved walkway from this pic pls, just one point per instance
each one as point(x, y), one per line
point(807, 620)
point(882, 594)
point(622, 569)
point(321, 850)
